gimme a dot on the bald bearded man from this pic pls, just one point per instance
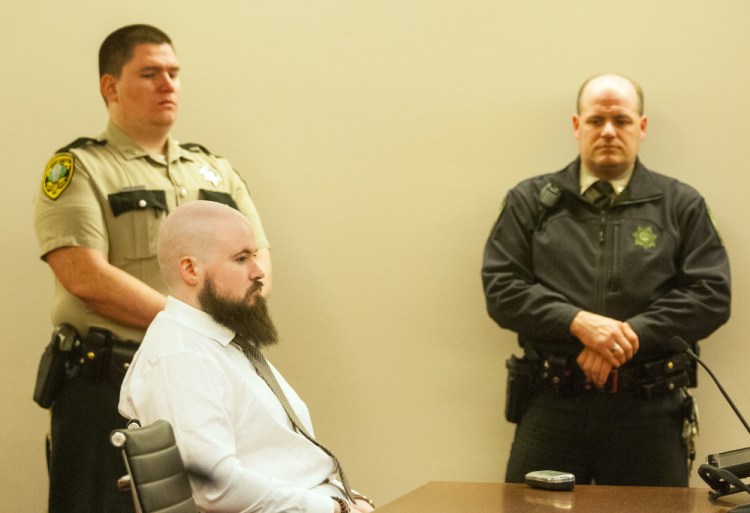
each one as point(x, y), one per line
point(199, 367)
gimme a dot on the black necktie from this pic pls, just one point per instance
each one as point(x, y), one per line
point(264, 371)
point(605, 194)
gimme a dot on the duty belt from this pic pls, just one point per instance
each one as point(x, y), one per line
point(99, 356)
point(649, 379)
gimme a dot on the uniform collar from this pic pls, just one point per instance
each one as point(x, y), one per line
point(587, 179)
point(129, 149)
point(641, 185)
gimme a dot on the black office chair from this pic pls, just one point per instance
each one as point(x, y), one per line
point(157, 478)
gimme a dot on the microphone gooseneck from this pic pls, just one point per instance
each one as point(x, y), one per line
point(680, 345)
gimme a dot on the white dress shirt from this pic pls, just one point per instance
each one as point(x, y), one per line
point(229, 425)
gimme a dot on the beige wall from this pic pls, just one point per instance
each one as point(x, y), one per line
point(378, 138)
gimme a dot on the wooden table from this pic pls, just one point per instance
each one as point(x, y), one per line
point(453, 497)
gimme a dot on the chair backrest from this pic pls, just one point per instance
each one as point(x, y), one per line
point(159, 481)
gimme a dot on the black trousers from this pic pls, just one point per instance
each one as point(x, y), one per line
point(602, 438)
point(83, 465)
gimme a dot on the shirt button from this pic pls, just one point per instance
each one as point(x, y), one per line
point(183, 192)
point(143, 203)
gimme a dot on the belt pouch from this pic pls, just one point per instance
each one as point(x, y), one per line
point(664, 375)
point(119, 361)
point(665, 386)
point(560, 374)
point(660, 368)
point(96, 349)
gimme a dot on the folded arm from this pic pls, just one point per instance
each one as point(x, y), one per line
point(105, 289)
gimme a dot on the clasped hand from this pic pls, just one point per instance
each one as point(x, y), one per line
point(608, 343)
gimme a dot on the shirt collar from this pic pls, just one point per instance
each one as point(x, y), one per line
point(130, 149)
point(587, 179)
point(198, 320)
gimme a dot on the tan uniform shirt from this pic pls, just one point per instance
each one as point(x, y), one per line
point(587, 179)
point(113, 196)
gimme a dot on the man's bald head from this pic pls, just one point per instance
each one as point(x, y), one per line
point(196, 229)
point(612, 79)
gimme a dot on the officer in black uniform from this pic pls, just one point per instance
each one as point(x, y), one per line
point(97, 218)
point(597, 267)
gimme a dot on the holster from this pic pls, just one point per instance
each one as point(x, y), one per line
point(58, 363)
point(99, 357)
point(522, 378)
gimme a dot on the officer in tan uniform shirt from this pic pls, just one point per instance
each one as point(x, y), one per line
point(97, 218)
point(110, 195)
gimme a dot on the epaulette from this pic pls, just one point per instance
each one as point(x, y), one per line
point(80, 143)
point(195, 147)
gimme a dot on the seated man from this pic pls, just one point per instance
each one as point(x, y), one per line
point(244, 434)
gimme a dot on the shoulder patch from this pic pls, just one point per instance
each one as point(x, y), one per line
point(57, 175)
point(80, 143)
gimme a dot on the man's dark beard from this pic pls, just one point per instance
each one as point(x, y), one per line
point(251, 322)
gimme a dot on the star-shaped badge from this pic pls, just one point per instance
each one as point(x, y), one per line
point(644, 237)
point(210, 175)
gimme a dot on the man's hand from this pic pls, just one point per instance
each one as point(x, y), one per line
point(614, 341)
point(595, 367)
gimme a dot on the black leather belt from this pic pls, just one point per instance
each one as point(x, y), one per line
point(648, 379)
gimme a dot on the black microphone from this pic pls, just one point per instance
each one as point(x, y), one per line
point(549, 197)
point(722, 472)
point(680, 346)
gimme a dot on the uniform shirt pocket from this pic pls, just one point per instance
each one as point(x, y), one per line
point(134, 228)
point(219, 197)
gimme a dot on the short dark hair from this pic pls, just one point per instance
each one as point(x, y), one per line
point(117, 48)
point(636, 86)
